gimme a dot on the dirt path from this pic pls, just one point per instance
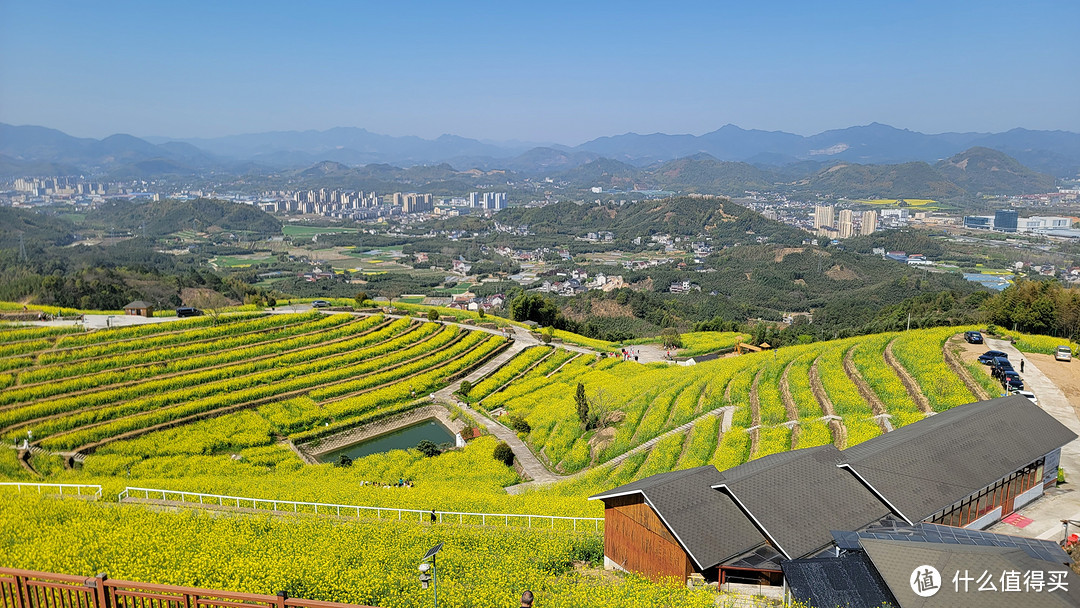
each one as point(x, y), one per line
point(881, 413)
point(958, 368)
point(909, 383)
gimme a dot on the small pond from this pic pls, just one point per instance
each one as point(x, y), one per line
point(402, 439)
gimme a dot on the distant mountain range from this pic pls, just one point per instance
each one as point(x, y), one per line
point(874, 159)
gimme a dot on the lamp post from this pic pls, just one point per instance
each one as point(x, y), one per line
point(432, 578)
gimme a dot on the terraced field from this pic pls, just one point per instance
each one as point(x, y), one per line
point(305, 374)
point(210, 407)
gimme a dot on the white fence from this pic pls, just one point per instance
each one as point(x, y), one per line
point(319, 508)
point(79, 489)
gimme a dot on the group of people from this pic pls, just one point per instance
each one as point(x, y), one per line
point(628, 353)
point(400, 483)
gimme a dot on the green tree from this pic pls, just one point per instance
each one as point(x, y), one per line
point(428, 448)
point(670, 338)
point(360, 298)
point(465, 388)
point(582, 404)
point(534, 307)
point(432, 315)
point(504, 453)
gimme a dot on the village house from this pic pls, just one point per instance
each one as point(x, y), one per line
point(966, 467)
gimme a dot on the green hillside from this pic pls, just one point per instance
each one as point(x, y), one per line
point(205, 405)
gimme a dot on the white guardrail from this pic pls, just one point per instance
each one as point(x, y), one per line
point(78, 487)
point(290, 506)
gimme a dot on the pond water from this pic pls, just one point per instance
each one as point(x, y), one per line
point(402, 439)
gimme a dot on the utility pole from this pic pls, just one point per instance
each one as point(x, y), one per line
point(22, 248)
point(909, 321)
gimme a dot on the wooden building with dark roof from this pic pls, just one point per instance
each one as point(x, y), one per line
point(968, 466)
point(139, 308)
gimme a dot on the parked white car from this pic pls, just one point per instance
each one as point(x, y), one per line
point(1030, 396)
point(1064, 353)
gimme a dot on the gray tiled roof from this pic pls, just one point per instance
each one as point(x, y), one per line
point(846, 581)
point(799, 497)
point(924, 467)
point(137, 304)
point(710, 527)
point(895, 561)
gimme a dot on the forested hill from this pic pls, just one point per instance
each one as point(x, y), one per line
point(32, 228)
point(725, 222)
point(166, 217)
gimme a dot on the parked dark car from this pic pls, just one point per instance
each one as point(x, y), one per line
point(1011, 381)
point(320, 304)
point(988, 357)
point(188, 311)
point(973, 337)
point(1000, 366)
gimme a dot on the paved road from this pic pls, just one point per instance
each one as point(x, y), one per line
point(1059, 503)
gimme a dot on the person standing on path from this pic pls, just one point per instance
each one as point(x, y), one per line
point(1021, 366)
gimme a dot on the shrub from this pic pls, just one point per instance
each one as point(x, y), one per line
point(504, 454)
point(518, 423)
point(428, 448)
point(432, 315)
point(465, 388)
point(343, 461)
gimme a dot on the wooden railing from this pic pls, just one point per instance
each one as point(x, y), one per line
point(30, 589)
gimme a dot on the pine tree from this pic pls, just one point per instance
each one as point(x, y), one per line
point(582, 404)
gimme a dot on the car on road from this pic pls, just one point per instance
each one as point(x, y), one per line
point(320, 304)
point(1011, 381)
point(988, 357)
point(1028, 394)
point(1063, 353)
point(188, 311)
point(973, 337)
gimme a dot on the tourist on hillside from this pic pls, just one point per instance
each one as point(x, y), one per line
point(527, 599)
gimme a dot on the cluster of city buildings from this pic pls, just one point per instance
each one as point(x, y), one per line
point(366, 205)
point(342, 204)
point(830, 224)
point(1008, 220)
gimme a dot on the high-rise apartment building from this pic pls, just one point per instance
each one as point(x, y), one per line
point(847, 223)
point(869, 222)
point(824, 217)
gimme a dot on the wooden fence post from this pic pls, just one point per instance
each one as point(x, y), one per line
point(281, 597)
point(101, 597)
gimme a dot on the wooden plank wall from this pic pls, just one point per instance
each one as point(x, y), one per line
point(637, 540)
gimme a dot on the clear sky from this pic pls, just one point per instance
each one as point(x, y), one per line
point(537, 71)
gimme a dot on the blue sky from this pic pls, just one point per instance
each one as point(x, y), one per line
point(540, 71)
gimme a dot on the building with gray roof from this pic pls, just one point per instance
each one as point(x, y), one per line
point(968, 466)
